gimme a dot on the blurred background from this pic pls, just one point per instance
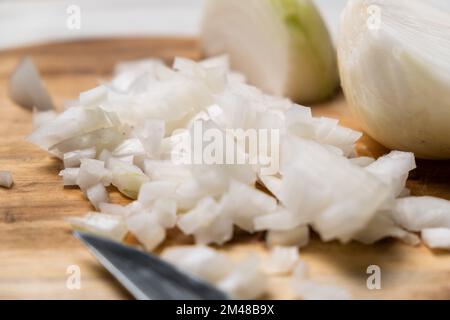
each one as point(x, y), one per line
point(24, 22)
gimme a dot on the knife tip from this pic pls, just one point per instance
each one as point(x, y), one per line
point(79, 235)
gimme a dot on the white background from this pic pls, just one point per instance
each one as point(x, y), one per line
point(32, 21)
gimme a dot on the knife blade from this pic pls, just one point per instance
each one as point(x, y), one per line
point(146, 276)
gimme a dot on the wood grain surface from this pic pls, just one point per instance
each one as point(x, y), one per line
point(36, 246)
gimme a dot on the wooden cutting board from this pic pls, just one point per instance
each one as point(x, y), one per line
point(36, 246)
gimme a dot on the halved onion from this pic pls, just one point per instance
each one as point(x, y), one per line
point(281, 46)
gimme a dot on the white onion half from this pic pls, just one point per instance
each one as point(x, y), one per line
point(282, 46)
point(394, 60)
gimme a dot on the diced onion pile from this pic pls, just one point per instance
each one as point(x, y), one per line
point(122, 133)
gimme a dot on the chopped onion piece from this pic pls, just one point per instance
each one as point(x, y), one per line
point(327, 131)
point(6, 179)
point(220, 61)
point(301, 271)
point(92, 172)
point(188, 193)
point(128, 73)
point(166, 170)
point(135, 207)
point(104, 156)
point(129, 147)
point(438, 238)
point(362, 161)
point(272, 183)
point(130, 159)
point(70, 176)
point(200, 217)
point(218, 232)
point(72, 123)
point(73, 158)
point(201, 261)
point(42, 117)
point(280, 220)
point(27, 88)
point(246, 281)
point(101, 224)
point(312, 290)
point(418, 213)
point(208, 222)
point(383, 226)
point(93, 97)
point(126, 177)
point(97, 194)
point(166, 210)
point(282, 260)
point(113, 209)
point(101, 139)
point(349, 196)
point(145, 227)
point(298, 237)
point(151, 135)
point(154, 190)
point(393, 169)
point(245, 203)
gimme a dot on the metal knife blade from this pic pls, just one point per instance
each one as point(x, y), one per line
point(146, 276)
